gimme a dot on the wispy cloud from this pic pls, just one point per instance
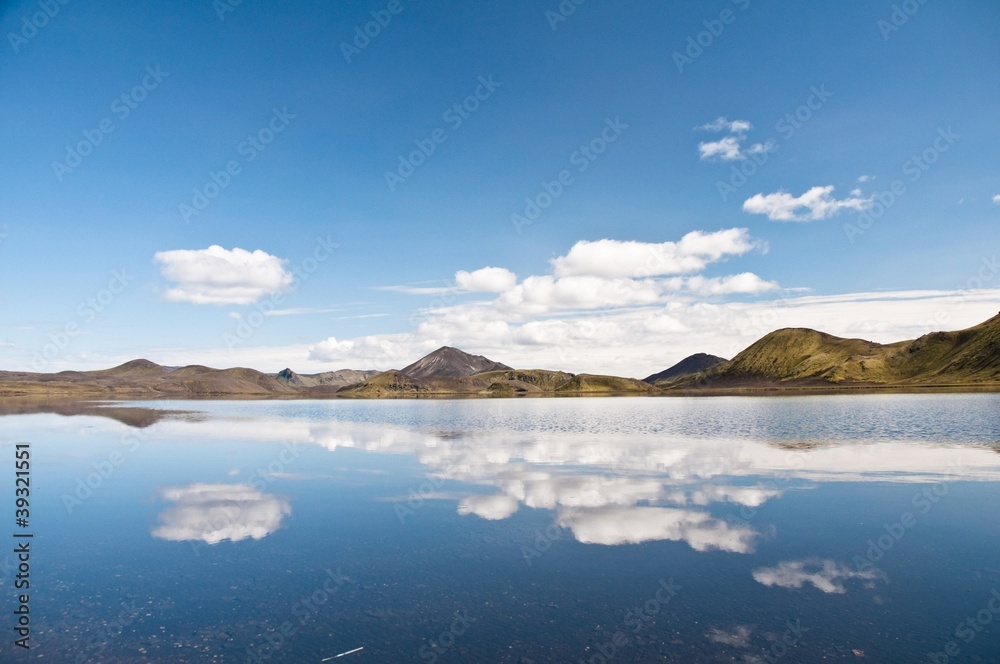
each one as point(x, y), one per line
point(815, 204)
point(417, 290)
point(730, 148)
point(826, 575)
point(722, 123)
point(301, 311)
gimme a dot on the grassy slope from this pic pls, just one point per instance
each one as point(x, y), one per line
point(795, 356)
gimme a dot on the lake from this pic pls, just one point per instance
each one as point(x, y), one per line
point(728, 529)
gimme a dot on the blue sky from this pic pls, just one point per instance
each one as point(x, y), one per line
point(873, 87)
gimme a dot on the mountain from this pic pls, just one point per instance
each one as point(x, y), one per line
point(448, 362)
point(691, 364)
point(143, 379)
point(802, 357)
point(449, 371)
point(508, 382)
point(790, 358)
point(330, 380)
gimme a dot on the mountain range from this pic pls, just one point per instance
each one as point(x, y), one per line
point(786, 359)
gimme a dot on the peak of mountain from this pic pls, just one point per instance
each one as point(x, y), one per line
point(691, 364)
point(134, 368)
point(448, 362)
point(800, 354)
point(288, 377)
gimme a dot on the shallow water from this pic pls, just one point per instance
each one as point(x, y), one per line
point(794, 529)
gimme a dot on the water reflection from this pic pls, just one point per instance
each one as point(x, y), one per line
point(633, 525)
point(213, 513)
point(826, 575)
point(615, 489)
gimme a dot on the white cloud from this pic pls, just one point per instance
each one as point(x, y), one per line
point(365, 351)
point(542, 294)
point(751, 496)
point(826, 575)
point(213, 513)
point(724, 124)
point(817, 203)
point(222, 276)
point(492, 508)
point(486, 280)
point(866, 178)
point(743, 283)
point(616, 258)
point(726, 149)
point(633, 525)
point(996, 199)
point(730, 148)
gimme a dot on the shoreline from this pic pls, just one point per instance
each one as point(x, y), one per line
point(769, 391)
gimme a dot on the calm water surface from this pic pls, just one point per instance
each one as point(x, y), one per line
point(797, 529)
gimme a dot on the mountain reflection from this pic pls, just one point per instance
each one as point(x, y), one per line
point(610, 489)
point(213, 513)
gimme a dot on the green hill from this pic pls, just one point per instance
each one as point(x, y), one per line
point(801, 357)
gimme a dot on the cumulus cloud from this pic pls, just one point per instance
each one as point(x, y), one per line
point(826, 575)
point(815, 204)
point(616, 258)
point(542, 294)
point(492, 508)
point(213, 513)
point(633, 525)
point(222, 276)
point(996, 199)
point(486, 280)
point(730, 148)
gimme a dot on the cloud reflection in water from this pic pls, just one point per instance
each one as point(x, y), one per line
point(213, 513)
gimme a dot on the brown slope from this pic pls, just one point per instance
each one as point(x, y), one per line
point(448, 362)
point(691, 364)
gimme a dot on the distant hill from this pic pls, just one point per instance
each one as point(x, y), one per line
point(451, 371)
point(142, 378)
point(791, 358)
point(495, 383)
point(328, 379)
point(448, 362)
point(691, 364)
point(802, 357)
